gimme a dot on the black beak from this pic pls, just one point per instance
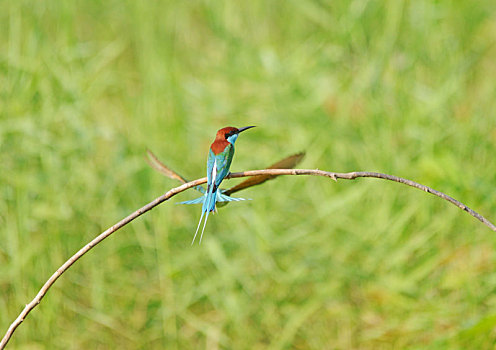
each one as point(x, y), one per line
point(245, 128)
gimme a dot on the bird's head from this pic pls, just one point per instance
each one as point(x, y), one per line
point(230, 134)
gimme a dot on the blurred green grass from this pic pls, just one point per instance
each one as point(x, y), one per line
point(402, 87)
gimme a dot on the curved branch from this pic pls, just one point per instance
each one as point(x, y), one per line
point(27, 309)
point(346, 176)
point(356, 174)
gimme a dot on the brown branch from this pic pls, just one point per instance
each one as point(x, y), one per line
point(86, 248)
point(174, 191)
point(356, 174)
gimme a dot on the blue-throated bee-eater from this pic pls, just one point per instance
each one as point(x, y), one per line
point(285, 163)
point(219, 161)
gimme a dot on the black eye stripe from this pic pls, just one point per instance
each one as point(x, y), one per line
point(229, 134)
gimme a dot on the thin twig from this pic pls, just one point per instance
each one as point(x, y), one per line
point(357, 174)
point(174, 191)
point(86, 248)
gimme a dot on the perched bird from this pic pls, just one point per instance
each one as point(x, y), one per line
point(285, 163)
point(219, 161)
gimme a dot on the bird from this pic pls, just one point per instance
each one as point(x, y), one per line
point(286, 163)
point(219, 161)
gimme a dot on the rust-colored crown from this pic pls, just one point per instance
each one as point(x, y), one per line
point(221, 134)
point(220, 143)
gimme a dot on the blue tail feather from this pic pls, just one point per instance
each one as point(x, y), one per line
point(211, 199)
point(208, 201)
point(194, 201)
point(199, 222)
point(225, 198)
point(220, 198)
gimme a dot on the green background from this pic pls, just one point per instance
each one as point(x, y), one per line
point(401, 87)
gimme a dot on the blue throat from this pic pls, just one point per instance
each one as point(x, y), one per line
point(232, 139)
